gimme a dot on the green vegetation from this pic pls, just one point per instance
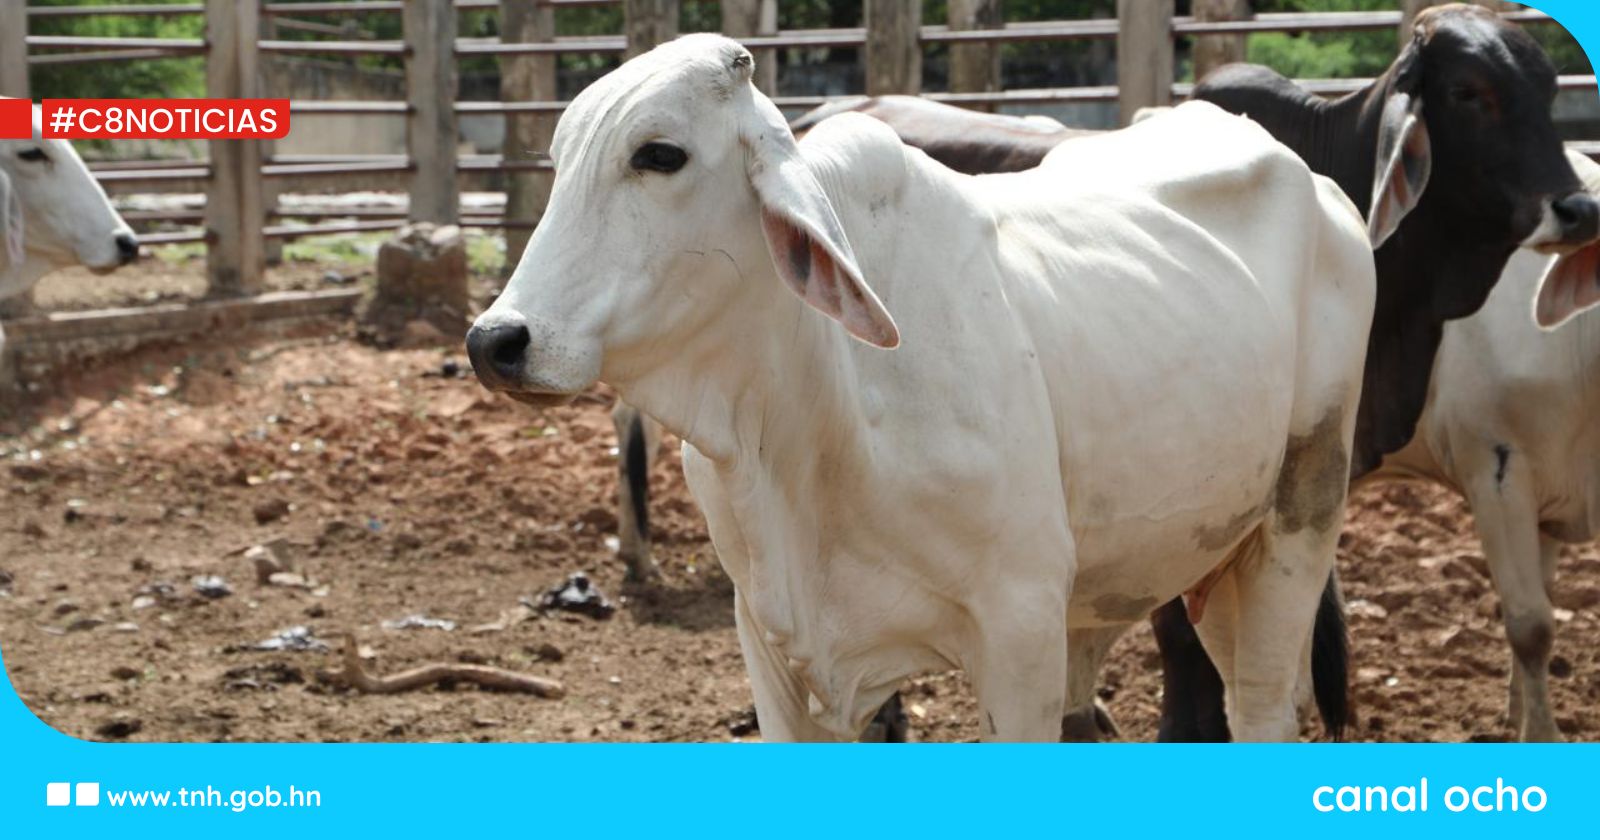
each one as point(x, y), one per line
point(1324, 55)
point(486, 252)
point(1334, 55)
point(178, 252)
point(359, 248)
point(168, 77)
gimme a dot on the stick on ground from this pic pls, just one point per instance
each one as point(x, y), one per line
point(355, 675)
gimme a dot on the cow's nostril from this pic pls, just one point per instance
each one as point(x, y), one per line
point(1579, 216)
point(508, 353)
point(497, 352)
point(127, 248)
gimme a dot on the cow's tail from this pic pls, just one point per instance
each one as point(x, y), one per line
point(1330, 660)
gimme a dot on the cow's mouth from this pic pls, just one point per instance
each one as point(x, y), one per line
point(539, 399)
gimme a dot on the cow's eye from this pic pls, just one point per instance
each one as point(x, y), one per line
point(1466, 95)
point(659, 157)
point(34, 155)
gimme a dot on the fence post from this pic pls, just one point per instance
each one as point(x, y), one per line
point(14, 49)
point(526, 78)
point(744, 18)
point(1144, 55)
point(975, 68)
point(1213, 51)
point(894, 47)
point(430, 36)
point(271, 249)
point(234, 217)
point(649, 22)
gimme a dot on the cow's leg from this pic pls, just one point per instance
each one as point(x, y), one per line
point(635, 452)
point(1020, 669)
point(1275, 595)
point(782, 702)
point(1549, 554)
point(1087, 719)
point(1507, 518)
point(1191, 696)
point(1279, 573)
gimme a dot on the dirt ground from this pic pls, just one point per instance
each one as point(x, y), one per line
point(398, 487)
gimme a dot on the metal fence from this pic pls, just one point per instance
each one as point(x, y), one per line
point(239, 218)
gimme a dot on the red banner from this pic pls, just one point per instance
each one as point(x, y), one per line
point(16, 119)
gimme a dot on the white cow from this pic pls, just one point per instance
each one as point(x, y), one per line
point(1132, 369)
point(54, 214)
point(1510, 424)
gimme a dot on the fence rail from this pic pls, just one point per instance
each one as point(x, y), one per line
point(237, 174)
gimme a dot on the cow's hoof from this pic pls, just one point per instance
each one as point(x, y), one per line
point(641, 569)
point(1090, 724)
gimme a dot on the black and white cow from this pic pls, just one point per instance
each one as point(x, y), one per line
point(1453, 154)
point(1509, 425)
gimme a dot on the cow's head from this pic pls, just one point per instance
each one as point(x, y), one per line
point(1468, 101)
point(668, 173)
point(55, 214)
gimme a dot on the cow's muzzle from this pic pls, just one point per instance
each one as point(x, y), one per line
point(499, 353)
point(127, 248)
point(1578, 217)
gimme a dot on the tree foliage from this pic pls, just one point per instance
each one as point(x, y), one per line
point(167, 77)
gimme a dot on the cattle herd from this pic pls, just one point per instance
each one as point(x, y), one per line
point(958, 390)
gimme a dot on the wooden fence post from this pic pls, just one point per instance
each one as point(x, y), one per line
point(894, 47)
point(526, 78)
point(234, 216)
point(430, 35)
point(14, 49)
point(649, 22)
point(1144, 55)
point(975, 68)
point(271, 249)
point(744, 18)
point(1213, 51)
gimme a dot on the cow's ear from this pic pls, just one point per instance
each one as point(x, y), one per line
point(11, 252)
point(1405, 156)
point(1570, 286)
point(804, 237)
